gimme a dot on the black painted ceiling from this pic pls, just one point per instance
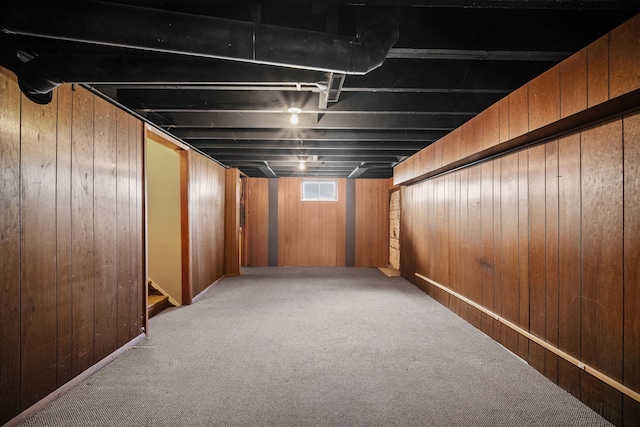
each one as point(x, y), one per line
point(376, 81)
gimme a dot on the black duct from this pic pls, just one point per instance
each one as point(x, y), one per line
point(160, 31)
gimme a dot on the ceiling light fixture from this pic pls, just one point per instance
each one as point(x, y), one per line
point(294, 115)
point(301, 165)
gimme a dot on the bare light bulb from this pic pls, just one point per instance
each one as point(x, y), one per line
point(301, 166)
point(294, 114)
point(294, 119)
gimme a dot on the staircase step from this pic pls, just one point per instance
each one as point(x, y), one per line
point(156, 303)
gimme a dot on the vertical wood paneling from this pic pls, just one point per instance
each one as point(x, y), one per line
point(537, 258)
point(523, 250)
point(510, 292)
point(206, 218)
point(474, 215)
point(497, 248)
point(59, 226)
point(257, 220)
point(82, 231)
point(371, 222)
point(465, 252)
point(569, 259)
point(38, 290)
point(105, 202)
point(9, 246)
point(123, 206)
point(544, 99)
point(551, 257)
point(598, 71)
point(63, 234)
point(518, 114)
point(486, 246)
point(625, 58)
point(602, 268)
point(491, 128)
point(573, 84)
point(631, 345)
point(135, 134)
point(140, 237)
point(232, 222)
point(310, 232)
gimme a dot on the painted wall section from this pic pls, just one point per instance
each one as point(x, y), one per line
point(544, 236)
point(164, 219)
point(71, 238)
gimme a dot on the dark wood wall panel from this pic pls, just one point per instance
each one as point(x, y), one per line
point(510, 291)
point(602, 263)
point(123, 208)
point(310, 233)
point(38, 290)
point(257, 214)
point(546, 238)
point(105, 204)
point(598, 71)
point(631, 345)
point(83, 255)
point(569, 258)
point(206, 219)
point(10, 353)
point(63, 236)
point(372, 222)
point(63, 170)
point(625, 61)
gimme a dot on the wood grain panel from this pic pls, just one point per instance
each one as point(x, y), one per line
point(569, 259)
point(63, 234)
point(486, 245)
point(82, 212)
point(598, 71)
point(9, 246)
point(372, 222)
point(123, 205)
point(491, 127)
point(602, 268)
point(105, 202)
point(510, 291)
point(523, 250)
point(465, 251)
point(454, 245)
point(631, 367)
point(544, 99)
point(537, 256)
point(474, 215)
point(38, 262)
point(504, 119)
point(232, 222)
point(310, 232)
point(624, 66)
point(537, 241)
point(257, 214)
point(475, 130)
point(140, 237)
point(573, 84)
point(497, 247)
point(136, 302)
point(206, 196)
point(518, 112)
point(551, 257)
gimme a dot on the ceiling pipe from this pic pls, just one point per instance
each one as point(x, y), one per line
point(154, 30)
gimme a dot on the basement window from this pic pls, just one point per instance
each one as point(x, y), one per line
point(319, 190)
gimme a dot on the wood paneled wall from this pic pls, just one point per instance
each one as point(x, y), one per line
point(310, 233)
point(71, 238)
point(606, 70)
point(372, 222)
point(257, 221)
point(232, 245)
point(206, 222)
point(315, 233)
point(545, 237)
